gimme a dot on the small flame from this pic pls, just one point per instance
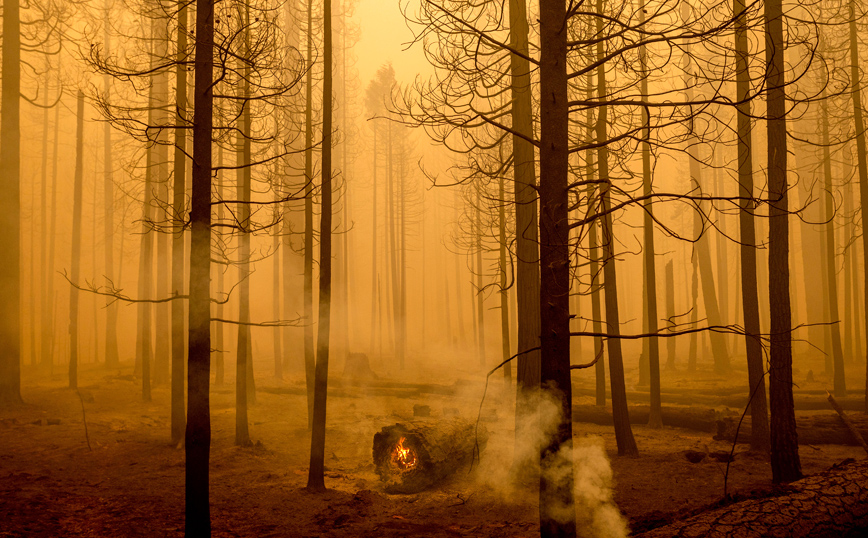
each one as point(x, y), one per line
point(404, 457)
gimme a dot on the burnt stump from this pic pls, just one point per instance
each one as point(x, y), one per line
point(413, 456)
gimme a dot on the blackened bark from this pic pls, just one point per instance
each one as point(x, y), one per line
point(315, 479)
point(556, 482)
point(179, 218)
point(623, 432)
point(198, 434)
point(750, 301)
point(10, 208)
point(76, 240)
point(786, 466)
point(526, 231)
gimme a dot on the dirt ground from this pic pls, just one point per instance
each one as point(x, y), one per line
point(130, 482)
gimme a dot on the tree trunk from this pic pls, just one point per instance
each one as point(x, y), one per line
point(784, 446)
point(375, 318)
point(162, 343)
point(309, 357)
point(670, 312)
point(219, 366)
point(556, 504)
point(10, 208)
point(243, 179)
point(179, 208)
point(834, 329)
point(655, 419)
point(480, 296)
point(856, 89)
point(702, 250)
point(111, 308)
point(747, 237)
point(527, 276)
point(594, 250)
point(315, 480)
point(830, 504)
point(198, 434)
point(504, 282)
point(76, 240)
point(623, 432)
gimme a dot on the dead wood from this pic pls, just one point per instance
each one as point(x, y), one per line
point(812, 430)
point(848, 422)
point(830, 504)
point(682, 417)
point(413, 456)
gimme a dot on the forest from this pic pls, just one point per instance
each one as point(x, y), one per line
point(446, 268)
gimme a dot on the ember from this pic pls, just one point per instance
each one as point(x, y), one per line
point(404, 457)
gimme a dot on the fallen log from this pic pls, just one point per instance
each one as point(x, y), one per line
point(848, 422)
point(830, 504)
point(811, 430)
point(691, 418)
point(412, 456)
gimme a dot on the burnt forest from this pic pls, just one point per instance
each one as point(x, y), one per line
point(433, 268)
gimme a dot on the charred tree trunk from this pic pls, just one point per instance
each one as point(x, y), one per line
point(527, 275)
point(309, 356)
point(316, 480)
point(856, 90)
point(10, 207)
point(111, 307)
point(786, 466)
point(76, 240)
point(243, 187)
point(179, 210)
point(750, 301)
point(655, 419)
point(623, 432)
point(198, 433)
point(556, 503)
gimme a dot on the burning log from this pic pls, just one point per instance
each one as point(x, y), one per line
point(414, 456)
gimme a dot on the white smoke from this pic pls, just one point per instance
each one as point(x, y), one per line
point(597, 516)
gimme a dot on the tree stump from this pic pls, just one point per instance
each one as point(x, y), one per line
point(413, 456)
point(830, 504)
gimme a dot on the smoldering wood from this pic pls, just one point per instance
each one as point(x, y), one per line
point(441, 448)
point(830, 504)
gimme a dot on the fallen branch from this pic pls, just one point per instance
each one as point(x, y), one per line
point(847, 422)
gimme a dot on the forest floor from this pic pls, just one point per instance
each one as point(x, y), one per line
point(130, 482)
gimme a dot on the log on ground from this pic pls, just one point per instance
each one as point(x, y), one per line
point(413, 456)
point(692, 418)
point(812, 430)
point(830, 504)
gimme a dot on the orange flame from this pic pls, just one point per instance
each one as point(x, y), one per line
point(404, 457)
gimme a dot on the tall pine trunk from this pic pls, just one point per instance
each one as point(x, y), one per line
point(527, 276)
point(786, 466)
point(10, 207)
point(556, 505)
point(243, 180)
point(198, 433)
point(623, 432)
point(76, 240)
point(759, 440)
point(856, 90)
point(316, 480)
point(309, 353)
point(178, 237)
point(655, 418)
